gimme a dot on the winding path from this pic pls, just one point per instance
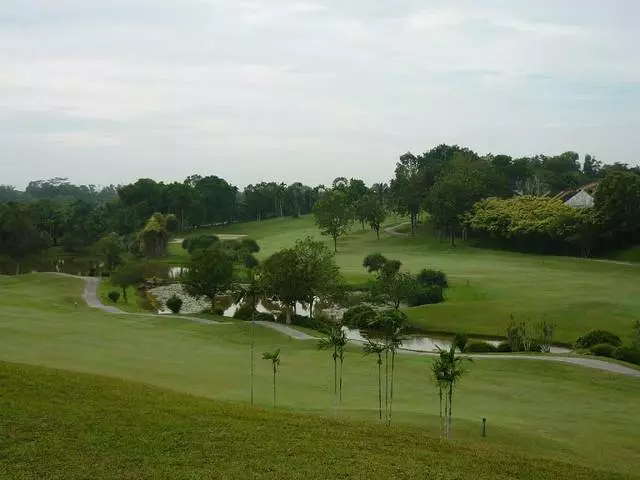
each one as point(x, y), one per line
point(286, 330)
point(91, 297)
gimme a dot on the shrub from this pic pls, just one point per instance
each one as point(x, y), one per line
point(199, 242)
point(114, 296)
point(603, 350)
point(174, 303)
point(476, 346)
point(596, 337)
point(264, 317)
point(312, 323)
point(374, 262)
point(629, 354)
point(433, 277)
point(504, 347)
point(425, 295)
point(244, 312)
point(460, 340)
point(358, 317)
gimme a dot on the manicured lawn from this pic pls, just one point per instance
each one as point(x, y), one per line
point(558, 412)
point(132, 304)
point(488, 286)
point(57, 424)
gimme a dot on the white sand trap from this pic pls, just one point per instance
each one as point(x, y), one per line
point(229, 236)
point(221, 236)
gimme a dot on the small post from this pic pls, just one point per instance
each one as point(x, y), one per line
point(484, 427)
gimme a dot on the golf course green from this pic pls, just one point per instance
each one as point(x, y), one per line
point(538, 412)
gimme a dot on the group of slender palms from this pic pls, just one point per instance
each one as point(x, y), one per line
point(447, 369)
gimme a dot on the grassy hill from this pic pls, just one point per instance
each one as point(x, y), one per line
point(488, 286)
point(60, 425)
point(551, 411)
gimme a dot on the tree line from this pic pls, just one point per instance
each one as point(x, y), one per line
point(449, 183)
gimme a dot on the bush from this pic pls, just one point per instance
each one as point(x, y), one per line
point(264, 317)
point(476, 346)
point(596, 337)
point(114, 296)
point(628, 354)
point(174, 303)
point(460, 340)
point(199, 242)
point(358, 317)
point(603, 350)
point(433, 277)
point(312, 323)
point(244, 312)
point(504, 347)
point(426, 295)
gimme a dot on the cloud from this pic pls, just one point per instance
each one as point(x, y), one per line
point(300, 89)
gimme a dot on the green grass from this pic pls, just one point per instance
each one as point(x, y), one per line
point(631, 254)
point(70, 426)
point(553, 411)
point(131, 305)
point(488, 286)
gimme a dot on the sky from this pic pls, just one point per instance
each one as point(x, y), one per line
point(308, 90)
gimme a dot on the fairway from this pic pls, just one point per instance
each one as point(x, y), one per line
point(488, 286)
point(560, 412)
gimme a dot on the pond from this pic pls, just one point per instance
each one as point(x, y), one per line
point(419, 342)
point(430, 343)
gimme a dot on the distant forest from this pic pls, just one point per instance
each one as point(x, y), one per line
point(507, 202)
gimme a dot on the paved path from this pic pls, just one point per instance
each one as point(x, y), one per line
point(392, 230)
point(286, 330)
point(582, 362)
point(90, 295)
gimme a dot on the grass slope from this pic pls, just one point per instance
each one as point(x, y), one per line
point(488, 286)
point(70, 426)
point(555, 411)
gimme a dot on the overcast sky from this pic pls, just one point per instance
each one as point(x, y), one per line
point(107, 92)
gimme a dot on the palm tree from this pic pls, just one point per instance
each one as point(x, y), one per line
point(394, 341)
point(275, 362)
point(390, 324)
point(336, 340)
point(378, 349)
point(447, 371)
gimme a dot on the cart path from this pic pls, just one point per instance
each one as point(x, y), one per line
point(91, 297)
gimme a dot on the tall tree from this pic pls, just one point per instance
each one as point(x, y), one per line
point(459, 187)
point(336, 340)
point(374, 215)
point(377, 349)
point(408, 188)
point(274, 358)
point(19, 237)
point(110, 248)
point(617, 204)
point(447, 370)
point(333, 215)
point(210, 273)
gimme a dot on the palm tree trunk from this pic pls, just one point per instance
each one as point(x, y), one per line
point(393, 365)
point(386, 383)
point(335, 382)
point(380, 385)
point(335, 244)
point(252, 354)
point(274, 385)
point(441, 419)
point(446, 416)
point(378, 233)
point(450, 408)
point(341, 365)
